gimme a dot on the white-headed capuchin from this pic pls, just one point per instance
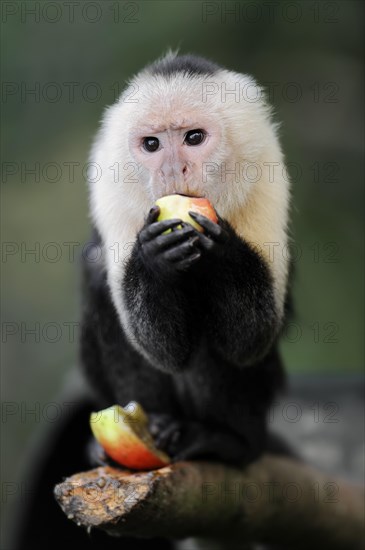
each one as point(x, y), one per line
point(184, 322)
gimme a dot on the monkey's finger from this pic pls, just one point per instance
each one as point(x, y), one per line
point(205, 242)
point(186, 231)
point(153, 214)
point(182, 251)
point(168, 437)
point(179, 251)
point(151, 231)
point(213, 229)
point(184, 265)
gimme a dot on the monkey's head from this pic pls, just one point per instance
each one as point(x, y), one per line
point(185, 125)
point(174, 130)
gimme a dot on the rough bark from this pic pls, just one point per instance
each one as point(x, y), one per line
point(275, 500)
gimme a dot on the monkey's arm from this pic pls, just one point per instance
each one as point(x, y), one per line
point(156, 298)
point(240, 314)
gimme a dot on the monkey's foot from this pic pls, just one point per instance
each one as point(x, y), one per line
point(185, 440)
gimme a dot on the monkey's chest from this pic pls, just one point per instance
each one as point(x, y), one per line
point(211, 390)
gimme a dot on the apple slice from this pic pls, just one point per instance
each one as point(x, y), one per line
point(178, 206)
point(123, 434)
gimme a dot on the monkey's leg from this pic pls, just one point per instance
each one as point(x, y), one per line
point(184, 440)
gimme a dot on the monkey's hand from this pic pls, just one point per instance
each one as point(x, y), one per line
point(168, 253)
point(215, 237)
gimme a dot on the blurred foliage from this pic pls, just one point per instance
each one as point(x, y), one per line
point(309, 56)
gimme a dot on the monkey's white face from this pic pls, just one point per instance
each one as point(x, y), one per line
point(168, 136)
point(175, 155)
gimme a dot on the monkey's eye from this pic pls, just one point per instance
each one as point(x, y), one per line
point(194, 137)
point(151, 144)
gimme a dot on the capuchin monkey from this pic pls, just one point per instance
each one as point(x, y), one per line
point(184, 322)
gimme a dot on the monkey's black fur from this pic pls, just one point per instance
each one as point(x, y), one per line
point(206, 366)
point(183, 63)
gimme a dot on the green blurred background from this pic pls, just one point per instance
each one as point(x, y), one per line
point(75, 58)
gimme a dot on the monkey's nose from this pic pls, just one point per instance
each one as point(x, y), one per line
point(183, 170)
point(175, 171)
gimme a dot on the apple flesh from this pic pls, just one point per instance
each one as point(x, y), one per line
point(178, 206)
point(123, 433)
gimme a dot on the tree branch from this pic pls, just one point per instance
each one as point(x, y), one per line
point(275, 500)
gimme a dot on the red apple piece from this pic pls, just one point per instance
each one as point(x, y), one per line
point(178, 206)
point(123, 434)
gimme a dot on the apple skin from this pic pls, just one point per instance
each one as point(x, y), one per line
point(178, 206)
point(123, 434)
